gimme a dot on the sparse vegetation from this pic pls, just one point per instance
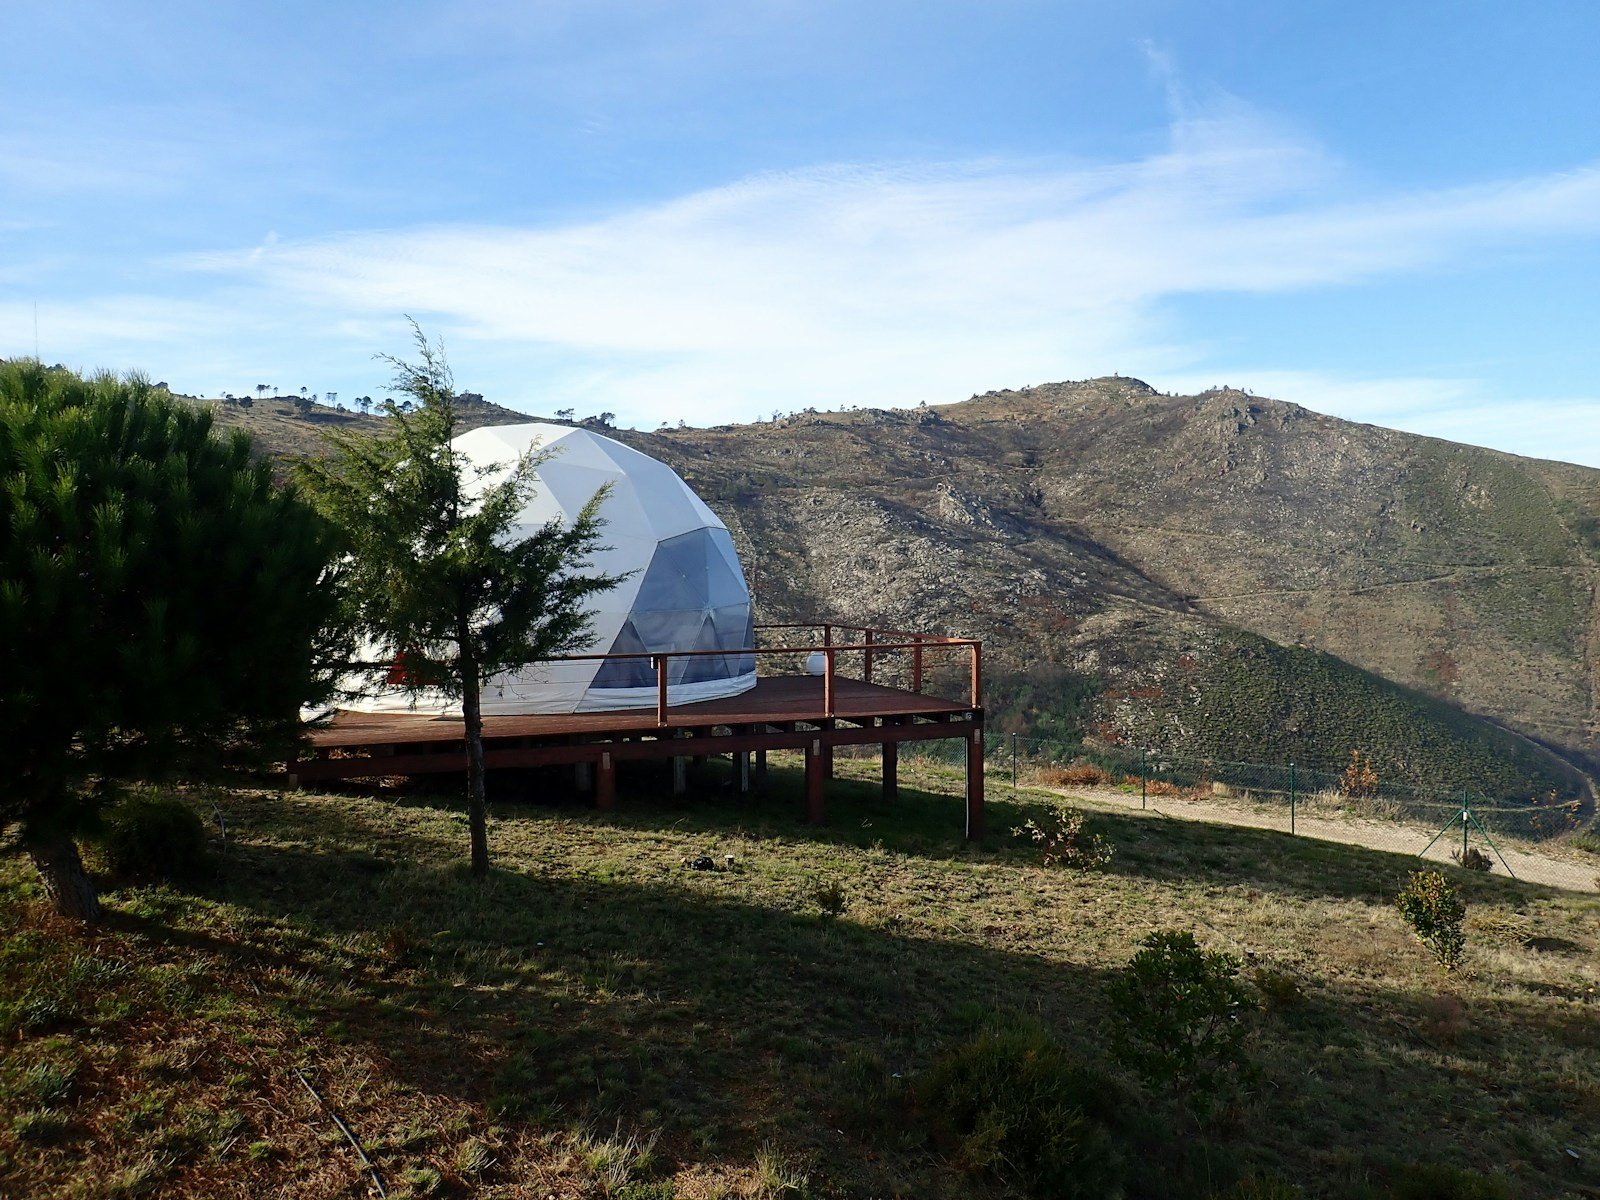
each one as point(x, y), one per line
point(594, 993)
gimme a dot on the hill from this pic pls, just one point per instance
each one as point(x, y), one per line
point(599, 1021)
point(1221, 574)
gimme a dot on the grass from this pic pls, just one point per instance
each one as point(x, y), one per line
point(597, 1020)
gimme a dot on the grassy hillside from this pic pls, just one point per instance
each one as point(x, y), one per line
point(1310, 708)
point(600, 1021)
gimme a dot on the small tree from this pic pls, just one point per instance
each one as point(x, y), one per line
point(434, 573)
point(162, 604)
point(1179, 1012)
point(1432, 906)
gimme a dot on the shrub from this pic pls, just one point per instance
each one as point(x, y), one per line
point(1064, 841)
point(1473, 859)
point(1433, 908)
point(1179, 1013)
point(1444, 1017)
point(1360, 779)
point(1260, 1187)
point(1436, 1181)
point(154, 837)
point(1077, 774)
point(830, 898)
point(1015, 1104)
point(1279, 989)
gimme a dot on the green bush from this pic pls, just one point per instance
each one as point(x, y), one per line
point(1433, 908)
point(1179, 1015)
point(1014, 1103)
point(154, 838)
point(1436, 1181)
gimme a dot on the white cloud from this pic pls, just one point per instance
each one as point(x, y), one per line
point(901, 284)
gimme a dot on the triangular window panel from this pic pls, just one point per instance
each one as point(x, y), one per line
point(626, 672)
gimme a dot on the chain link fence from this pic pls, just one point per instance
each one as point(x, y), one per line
point(1542, 841)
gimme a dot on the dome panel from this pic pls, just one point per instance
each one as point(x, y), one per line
point(684, 588)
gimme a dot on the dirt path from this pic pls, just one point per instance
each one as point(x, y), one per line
point(1553, 866)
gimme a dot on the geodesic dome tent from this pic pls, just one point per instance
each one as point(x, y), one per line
point(686, 590)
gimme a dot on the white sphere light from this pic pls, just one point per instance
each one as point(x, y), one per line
point(684, 588)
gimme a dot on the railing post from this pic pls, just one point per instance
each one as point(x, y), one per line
point(660, 661)
point(866, 660)
point(977, 674)
point(1291, 799)
point(827, 680)
point(916, 663)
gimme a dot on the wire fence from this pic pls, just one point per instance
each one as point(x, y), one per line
point(1544, 840)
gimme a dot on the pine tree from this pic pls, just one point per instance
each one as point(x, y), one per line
point(163, 605)
point(435, 577)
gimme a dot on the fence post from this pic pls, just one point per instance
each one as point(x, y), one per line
point(1466, 821)
point(1142, 776)
point(1291, 799)
point(1013, 762)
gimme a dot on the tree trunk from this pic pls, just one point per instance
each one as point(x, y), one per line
point(477, 799)
point(65, 881)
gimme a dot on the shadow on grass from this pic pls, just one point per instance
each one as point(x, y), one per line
point(630, 993)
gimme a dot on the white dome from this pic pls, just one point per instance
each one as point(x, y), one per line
point(684, 591)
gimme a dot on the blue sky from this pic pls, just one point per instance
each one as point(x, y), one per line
point(1390, 212)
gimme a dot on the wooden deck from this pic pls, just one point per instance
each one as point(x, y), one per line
point(779, 713)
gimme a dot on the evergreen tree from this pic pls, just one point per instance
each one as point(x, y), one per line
point(435, 578)
point(163, 606)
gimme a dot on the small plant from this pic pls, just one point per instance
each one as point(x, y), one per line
point(776, 1179)
point(1472, 859)
point(154, 838)
point(1279, 989)
point(474, 1158)
point(830, 898)
point(1014, 1103)
point(421, 1180)
point(1443, 1017)
point(1260, 1187)
point(1360, 779)
point(1064, 841)
point(1432, 906)
point(1179, 1015)
point(1436, 1181)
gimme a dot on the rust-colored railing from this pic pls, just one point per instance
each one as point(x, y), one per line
point(871, 645)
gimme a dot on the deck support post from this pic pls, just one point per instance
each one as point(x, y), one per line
point(605, 792)
point(680, 775)
point(816, 811)
point(583, 777)
point(741, 763)
point(761, 771)
point(891, 772)
point(975, 784)
point(827, 755)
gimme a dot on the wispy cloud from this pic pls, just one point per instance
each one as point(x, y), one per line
point(898, 284)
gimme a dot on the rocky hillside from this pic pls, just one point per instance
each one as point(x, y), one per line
point(1222, 573)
